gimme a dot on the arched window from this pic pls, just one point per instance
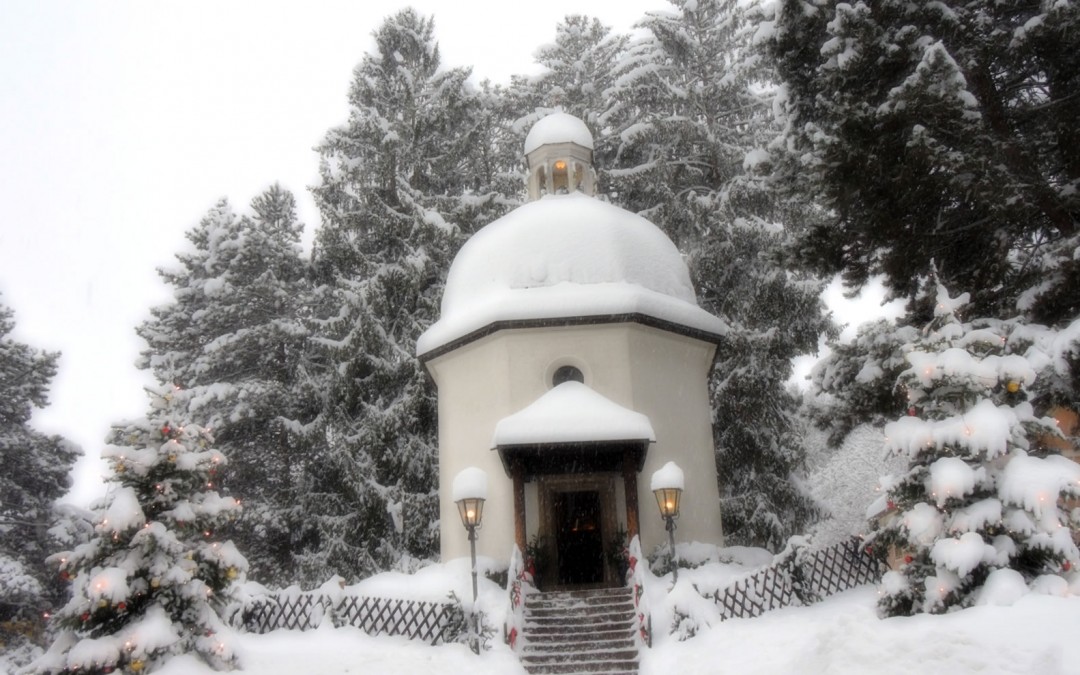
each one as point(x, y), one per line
point(560, 177)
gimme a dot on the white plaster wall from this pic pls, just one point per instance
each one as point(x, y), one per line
point(670, 374)
point(657, 373)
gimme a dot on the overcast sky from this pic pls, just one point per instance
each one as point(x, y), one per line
point(122, 122)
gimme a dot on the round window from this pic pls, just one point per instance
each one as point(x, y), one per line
point(566, 374)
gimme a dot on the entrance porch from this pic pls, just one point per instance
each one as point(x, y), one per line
point(585, 508)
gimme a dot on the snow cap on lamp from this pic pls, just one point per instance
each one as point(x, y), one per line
point(667, 477)
point(470, 483)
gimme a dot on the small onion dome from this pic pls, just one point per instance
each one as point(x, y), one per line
point(558, 128)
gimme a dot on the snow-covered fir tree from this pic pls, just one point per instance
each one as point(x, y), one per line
point(690, 110)
point(234, 338)
point(775, 315)
point(974, 497)
point(35, 474)
point(401, 183)
point(938, 135)
point(156, 577)
point(690, 114)
point(853, 383)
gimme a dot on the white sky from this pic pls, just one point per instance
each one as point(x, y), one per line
point(122, 122)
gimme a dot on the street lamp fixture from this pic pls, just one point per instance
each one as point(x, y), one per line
point(667, 486)
point(469, 493)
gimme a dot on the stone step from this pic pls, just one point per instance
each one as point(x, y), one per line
point(601, 654)
point(551, 608)
point(564, 598)
point(576, 639)
point(581, 621)
point(580, 633)
point(607, 668)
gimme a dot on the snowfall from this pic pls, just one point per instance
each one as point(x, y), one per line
point(1010, 630)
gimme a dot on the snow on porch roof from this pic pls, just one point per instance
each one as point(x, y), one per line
point(572, 413)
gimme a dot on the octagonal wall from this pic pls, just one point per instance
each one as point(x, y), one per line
point(655, 372)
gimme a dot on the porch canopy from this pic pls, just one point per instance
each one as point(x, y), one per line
point(572, 429)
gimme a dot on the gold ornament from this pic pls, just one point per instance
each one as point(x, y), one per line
point(230, 573)
point(136, 665)
point(172, 458)
point(155, 582)
point(103, 603)
point(1012, 387)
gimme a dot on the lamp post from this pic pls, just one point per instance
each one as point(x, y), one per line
point(469, 493)
point(667, 485)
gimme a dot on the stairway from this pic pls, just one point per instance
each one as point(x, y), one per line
point(580, 632)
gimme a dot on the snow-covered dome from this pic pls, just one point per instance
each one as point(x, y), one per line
point(566, 256)
point(558, 128)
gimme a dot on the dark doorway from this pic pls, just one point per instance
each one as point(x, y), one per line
point(579, 537)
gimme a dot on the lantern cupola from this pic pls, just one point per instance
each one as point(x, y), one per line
point(559, 152)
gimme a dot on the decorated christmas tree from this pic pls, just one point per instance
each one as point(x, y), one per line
point(153, 581)
point(975, 498)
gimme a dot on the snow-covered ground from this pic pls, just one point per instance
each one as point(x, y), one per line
point(1030, 633)
point(839, 635)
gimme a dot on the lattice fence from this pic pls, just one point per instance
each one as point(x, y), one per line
point(837, 568)
point(433, 622)
point(802, 579)
point(767, 589)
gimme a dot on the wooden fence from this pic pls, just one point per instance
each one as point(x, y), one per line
point(433, 622)
point(803, 578)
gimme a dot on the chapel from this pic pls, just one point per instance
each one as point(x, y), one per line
point(571, 360)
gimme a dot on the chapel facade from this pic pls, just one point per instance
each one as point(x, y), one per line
point(572, 361)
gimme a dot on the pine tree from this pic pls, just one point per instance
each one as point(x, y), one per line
point(402, 182)
point(974, 498)
point(156, 577)
point(689, 112)
point(775, 316)
point(234, 339)
point(34, 476)
point(853, 384)
point(940, 136)
point(691, 122)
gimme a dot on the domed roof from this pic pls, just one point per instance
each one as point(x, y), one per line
point(558, 128)
point(562, 257)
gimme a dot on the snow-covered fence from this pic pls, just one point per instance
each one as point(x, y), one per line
point(836, 568)
point(433, 622)
point(800, 576)
point(764, 590)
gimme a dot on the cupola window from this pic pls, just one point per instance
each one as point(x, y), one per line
point(560, 177)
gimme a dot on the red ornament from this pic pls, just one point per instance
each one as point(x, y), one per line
point(1066, 565)
point(121, 606)
point(166, 430)
point(632, 563)
point(908, 559)
point(64, 576)
point(891, 505)
point(85, 617)
point(513, 637)
point(912, 412)
point(869, 550)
